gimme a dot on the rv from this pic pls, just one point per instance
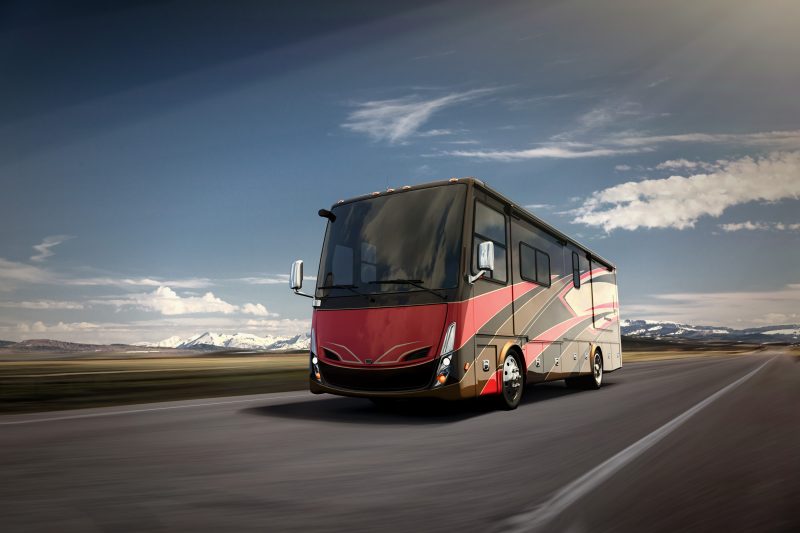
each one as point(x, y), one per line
point(450, 290)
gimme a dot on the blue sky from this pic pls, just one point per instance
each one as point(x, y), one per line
point(162, 163)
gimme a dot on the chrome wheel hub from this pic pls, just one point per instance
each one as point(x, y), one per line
point(512, 378)
point(598, 369)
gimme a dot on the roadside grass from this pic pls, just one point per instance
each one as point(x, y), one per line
point(28, 386)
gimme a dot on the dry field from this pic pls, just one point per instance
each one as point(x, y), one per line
point(70, 384)
point(44, 382)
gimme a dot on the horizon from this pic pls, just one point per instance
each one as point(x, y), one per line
point(151, 174)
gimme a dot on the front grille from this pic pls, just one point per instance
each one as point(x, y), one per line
point(372, 379)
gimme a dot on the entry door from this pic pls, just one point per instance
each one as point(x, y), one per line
point(492, 312)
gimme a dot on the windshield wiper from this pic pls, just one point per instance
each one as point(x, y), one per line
point(351, 288)
point(413, 282)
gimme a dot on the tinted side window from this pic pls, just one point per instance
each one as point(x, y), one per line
point(490, 225)
point(576, 271)
point(542, 268)
point(534, 264)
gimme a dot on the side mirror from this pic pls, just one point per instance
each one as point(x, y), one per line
point(485, 260)
point(486, 256)
point(296, 276)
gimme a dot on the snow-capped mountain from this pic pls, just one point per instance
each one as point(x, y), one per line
point(653, 329)
point(237, 341)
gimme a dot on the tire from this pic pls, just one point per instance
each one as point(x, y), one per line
point(513, 384)
point(592, 381)
point(595, 379)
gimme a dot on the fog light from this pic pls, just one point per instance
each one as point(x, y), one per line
point(314, 360)
point(318, 376)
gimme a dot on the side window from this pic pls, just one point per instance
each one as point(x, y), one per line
point(542, 268)
point(576, 271)
point(534, 265)
point(490, 225)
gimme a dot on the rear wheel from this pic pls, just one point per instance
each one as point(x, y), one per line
point(513, 382)
point(590, 381)
point(596, 379)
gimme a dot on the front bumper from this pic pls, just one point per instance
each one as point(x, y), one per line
point(445, 392)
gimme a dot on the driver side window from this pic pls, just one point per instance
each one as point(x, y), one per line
point(490, 225)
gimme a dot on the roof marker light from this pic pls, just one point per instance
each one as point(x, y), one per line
point(376, 193)
point(406, 187)
point(453, 180)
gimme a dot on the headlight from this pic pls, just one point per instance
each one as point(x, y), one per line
point(314, 363)
point(447, 355)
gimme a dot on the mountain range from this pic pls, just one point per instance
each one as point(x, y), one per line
point(631, 329)
point(654, 329)
point(235, 341)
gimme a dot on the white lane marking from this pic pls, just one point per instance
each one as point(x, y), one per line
point(149, 409)
point(571, 493)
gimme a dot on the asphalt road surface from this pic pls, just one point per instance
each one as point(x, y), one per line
point(709, 444)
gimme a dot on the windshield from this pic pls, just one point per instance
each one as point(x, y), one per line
point(409, 241)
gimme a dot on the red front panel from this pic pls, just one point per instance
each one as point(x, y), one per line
point(380, 336)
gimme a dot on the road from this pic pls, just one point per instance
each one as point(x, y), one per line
point(709, 444)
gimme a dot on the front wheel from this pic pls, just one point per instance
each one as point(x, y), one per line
point(513, 382)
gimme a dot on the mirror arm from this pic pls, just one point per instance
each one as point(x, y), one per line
point(297, 292)
point(473, 279)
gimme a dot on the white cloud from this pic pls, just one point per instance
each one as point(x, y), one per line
point(60, 327)
point(43, 304)
point(629, 143)
point(788, 139)
point(734, 309)
point(13, 274)
point(747, 225)
point(397, 119)
point(283, 326)
point(538, 206)
point(622, 168)
point(151, 330)
point(44, 248)
point(553, 151)
point(189, 283)
point(167, 302)
point(656, 83)
point(272, 279)
point(277, 279)
point(606, 115)
point(256, 310)
point(435, 133)
point(678, 202)
point(676, 163)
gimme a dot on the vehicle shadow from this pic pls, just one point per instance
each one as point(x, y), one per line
point(418, 411)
